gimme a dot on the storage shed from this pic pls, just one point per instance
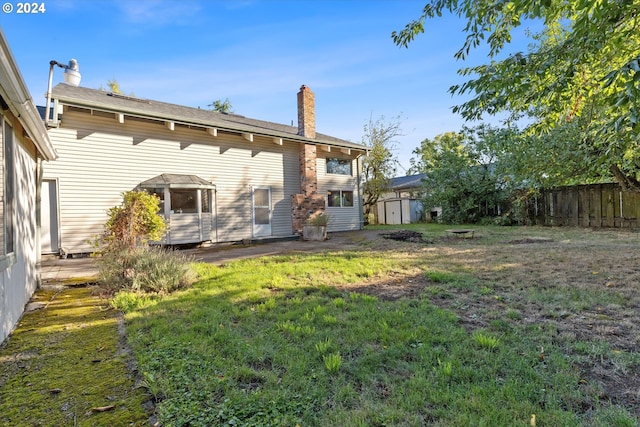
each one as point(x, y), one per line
point(402, 205)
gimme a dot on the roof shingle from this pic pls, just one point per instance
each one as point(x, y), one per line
point(106, 101)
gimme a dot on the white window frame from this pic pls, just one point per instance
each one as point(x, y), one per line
point(341, 192)
point(342, 162)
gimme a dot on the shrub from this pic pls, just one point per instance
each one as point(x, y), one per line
point(135, 221)
point(159, 270)
point(146, 269)
point(319, 219)
point(127, 261)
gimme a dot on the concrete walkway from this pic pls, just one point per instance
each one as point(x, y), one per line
point(56, 270)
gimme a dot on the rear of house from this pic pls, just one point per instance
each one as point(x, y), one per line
point(220, 177)
point(24, 145)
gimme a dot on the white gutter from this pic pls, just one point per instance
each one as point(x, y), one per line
point(17, 96)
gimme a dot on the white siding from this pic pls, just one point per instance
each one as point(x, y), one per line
point(19, 272)
point(100, 158)
point(340, 218)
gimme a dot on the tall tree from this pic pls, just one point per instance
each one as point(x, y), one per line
point(114, 86)
point(221, 106)
point(463, 176)
point(380, 164)
point(581, 73)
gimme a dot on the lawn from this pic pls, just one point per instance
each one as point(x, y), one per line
point(517, 326)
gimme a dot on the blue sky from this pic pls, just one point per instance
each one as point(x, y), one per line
point(257, 54)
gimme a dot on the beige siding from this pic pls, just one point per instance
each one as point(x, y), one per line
point(100, 158)
point(18, 276)
point(340, 218)
point(182, 227)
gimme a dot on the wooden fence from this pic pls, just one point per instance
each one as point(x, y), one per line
point(595, 205)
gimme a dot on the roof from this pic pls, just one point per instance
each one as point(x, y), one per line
point(16, 95)
point(407, 182)
point(146, 108)
point(176, 181)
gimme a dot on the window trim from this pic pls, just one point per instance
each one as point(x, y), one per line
point(341, 162)
point(341, 198)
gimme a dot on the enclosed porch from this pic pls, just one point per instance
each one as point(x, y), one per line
point(187, 202)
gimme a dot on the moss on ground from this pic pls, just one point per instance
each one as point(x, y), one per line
point(65, 365)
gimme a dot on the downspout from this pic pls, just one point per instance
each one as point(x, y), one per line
point(360, 196)
point(215, 210)
point(39, 175)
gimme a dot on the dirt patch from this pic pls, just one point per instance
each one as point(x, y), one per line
point(530, 240)
point(405, 236)
point(392, 289)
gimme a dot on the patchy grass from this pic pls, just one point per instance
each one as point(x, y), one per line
point(514, 325)
point(65, 366)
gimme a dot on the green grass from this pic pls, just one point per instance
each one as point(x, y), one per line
point(284, 341)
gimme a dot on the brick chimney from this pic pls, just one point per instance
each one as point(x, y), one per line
point(308, 202)
point(306, 112)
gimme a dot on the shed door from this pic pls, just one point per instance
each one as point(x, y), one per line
point(261, 201)
point(393, 214)
point(49, 231)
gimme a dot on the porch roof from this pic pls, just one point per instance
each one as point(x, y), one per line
point(170, 180)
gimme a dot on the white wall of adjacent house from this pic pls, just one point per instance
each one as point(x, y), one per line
point(19, 276)
point(341, 218)
point(100, 158)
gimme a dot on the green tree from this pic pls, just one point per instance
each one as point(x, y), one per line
point(580, 74)
point(221, 106)
point(463, 176)
point(114, 86)
point(379, 165)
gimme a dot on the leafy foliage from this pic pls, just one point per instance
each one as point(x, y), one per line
point(318, 219)
point(221, 106)
point(148, 269)
point(379, 165)
point(581, 72)
point(135, 221)
point(114, 86)
point(462, 176)
point(127, 261)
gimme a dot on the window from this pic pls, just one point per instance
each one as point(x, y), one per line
point(339, 166)
point(340, 198)
point(9, 190)
point(206, 201)
point(184, 201)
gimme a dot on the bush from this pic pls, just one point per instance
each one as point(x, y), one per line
point(162, 271)
point(135, 221)
point(146, 269)
point(127, 262)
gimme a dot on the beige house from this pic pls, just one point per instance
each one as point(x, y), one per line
point(220, 177)
point(24, 145)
